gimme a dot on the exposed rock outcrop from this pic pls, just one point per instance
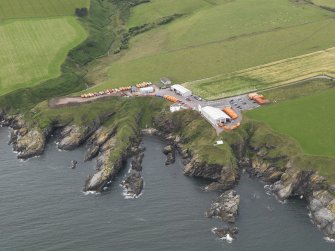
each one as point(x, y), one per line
point(110, 163)
point(136, 163)
point(313, 187)
point(74, 164)
point(27, 142)
point(224, 177)
point(133, 183)
point(106, 170)
point(97, 139)
point(72, 136)
point(170, 153)
point(30, 145)
point(225, 207)
point(278, 168)
point(226, 233)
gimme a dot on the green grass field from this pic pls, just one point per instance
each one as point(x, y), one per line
point(39, 8)
point(33, 50)
point(215, 37)
point(309, 120)
point(267, 76)
point(325, 3)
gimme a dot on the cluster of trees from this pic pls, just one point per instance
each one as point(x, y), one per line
point(81, 12)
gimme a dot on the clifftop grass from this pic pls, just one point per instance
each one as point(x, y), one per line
point(309, 120)
point(198, 136)
point(278, 148)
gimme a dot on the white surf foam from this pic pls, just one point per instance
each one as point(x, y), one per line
point(228, 238)
point(90, 192)
point(327, 239)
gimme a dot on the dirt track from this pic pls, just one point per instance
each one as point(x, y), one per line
point(67, 101)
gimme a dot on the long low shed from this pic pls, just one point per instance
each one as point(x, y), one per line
point(214, 115)
point(181, 90)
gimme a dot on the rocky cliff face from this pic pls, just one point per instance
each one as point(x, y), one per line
point(98, 140)
point(314, 189)
point(222, 177)
point(133, 183)
point(109, 164)
point(106, 169)
point(72, 136)
point(28, 142)
point(288, 181)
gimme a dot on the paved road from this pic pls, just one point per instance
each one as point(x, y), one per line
point(238, 103)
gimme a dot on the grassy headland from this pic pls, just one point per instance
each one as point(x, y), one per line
point(308, 120)
point(198, 136)
point(278, 149)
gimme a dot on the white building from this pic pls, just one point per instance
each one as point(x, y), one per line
point(148, 89)
point(181, 90)
point(214, 115)
point(166, 81)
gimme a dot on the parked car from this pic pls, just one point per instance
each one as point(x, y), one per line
point(197, 98)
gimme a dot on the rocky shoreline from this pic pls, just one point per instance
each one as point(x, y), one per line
point(285, 180)
point(133, 183)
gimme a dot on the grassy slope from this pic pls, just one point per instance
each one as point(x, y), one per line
point(39, 8)
point(103, 25)
point(267, 76)
point(309, 120)
point(33, 50)
point(82, 114)
point(206, 41)
point(325, 3)
point(147, 13)
point(198, 136)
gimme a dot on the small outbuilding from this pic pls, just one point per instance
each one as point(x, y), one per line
point(181, 90)
point(214, 115)
point(166, 81)
point(146, 90)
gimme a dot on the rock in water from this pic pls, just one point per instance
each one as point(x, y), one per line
point(170, 158)
point(30, 145)
point(136, 162)
point(228, 233)
point(74, 164)
point(133, 183)
point(168, 149)
point(225, 207)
